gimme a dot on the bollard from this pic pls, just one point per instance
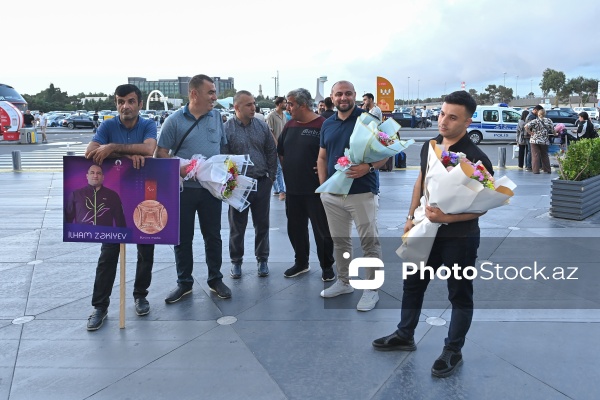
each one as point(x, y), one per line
point(70, 153)
point(501, 157)
point(16, 159)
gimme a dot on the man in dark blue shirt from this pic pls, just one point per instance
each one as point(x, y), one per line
point(361, 203)
point(456, 242)
point(126, 135)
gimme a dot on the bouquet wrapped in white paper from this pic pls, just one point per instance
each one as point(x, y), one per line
point(455, 185)
point(370, 141)
point(223, 175)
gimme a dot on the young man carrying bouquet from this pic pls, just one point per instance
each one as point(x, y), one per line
point(456, 242)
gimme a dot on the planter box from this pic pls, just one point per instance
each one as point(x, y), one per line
point(575, 199)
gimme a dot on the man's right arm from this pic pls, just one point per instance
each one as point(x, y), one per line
point(322, 165)
point(414, 203)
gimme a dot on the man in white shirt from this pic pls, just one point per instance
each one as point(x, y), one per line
point(370, 106)
point(43, 123)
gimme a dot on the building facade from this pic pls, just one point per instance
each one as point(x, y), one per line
point(177, 88)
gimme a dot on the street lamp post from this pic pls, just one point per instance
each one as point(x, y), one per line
point(505, 79)
point(531, 86)
point(517, 87)
point(418, 84)
point(408, 89)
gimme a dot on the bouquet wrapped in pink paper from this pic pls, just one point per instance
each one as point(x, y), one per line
point(455, 185)
point(223, 175)
point(370, 141)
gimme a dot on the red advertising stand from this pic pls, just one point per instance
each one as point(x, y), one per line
point(11, 120)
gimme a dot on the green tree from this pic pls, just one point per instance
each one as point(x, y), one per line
point(552, 81)
point(227, 93)
point(265, 104)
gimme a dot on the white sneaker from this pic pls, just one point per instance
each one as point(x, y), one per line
point(368, 300)
point(337, 288)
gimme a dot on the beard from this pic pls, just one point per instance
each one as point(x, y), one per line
point(345, 106)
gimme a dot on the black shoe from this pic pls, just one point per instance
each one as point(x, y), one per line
point(177, 294)
point(446, 363)
point(295, 271)
point(263, 269)
point(220, 289)
point(327, 275)
point(394, 342)
point(236, 271)
point(142, 307)
point(96, 320)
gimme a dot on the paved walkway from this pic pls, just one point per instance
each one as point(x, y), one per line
point(535, 339)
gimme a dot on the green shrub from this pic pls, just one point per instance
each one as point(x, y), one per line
point(581, 161)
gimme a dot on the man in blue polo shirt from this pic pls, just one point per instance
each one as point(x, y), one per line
point(133, 137)
point(361, 203)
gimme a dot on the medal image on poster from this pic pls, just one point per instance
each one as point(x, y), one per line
point(150, 216)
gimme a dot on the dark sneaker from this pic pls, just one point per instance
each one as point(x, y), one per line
point(142, 307)
point(327, 275)
point(295, 271)
point(236, 271)
point(96, 320)
point(446, 363)
point(177, 294)
point(263, 269)
point(220, 289)
point(394, 342)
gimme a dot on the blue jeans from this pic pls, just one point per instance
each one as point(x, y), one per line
point(278, 184)
point(413, 121)
point(528, 158)
point(447, 251)
point(208, 208)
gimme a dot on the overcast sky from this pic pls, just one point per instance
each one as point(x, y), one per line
point(93, 47)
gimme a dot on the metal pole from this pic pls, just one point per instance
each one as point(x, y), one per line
point(16, 159)
point(501, 157)
point(70, 153)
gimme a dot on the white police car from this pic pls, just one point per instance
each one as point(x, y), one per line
point(494, 123)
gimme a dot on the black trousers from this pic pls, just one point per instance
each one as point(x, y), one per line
point(299, 209)
point(107, 270)
point(260, 205)
point(446, 251)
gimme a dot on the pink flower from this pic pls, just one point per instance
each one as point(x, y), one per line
point(343, 161)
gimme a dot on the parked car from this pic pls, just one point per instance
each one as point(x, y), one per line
point(435, 113)
point(55, 121)
point(78, 121)
point(568, 110)
point(404, 119)
point(562, 116)
point(592, 112)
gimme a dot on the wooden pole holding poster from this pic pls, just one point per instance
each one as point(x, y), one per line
point(122, 288)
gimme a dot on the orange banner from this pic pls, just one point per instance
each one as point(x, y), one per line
point(385, 94)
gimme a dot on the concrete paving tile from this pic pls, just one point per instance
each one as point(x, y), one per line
point(68, 383)
point(8, 352)
point(11, 308)
point(6, 374)
point(483, 375)
point(328, 359)
point(563, 360)
point(221, 366)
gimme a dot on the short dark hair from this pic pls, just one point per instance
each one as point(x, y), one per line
point(279, 100)
point(239, 94)
point(197, 81)
point(524, 115)
point(462, 98)
point(328, 103)
point(584, 115)
point(369, 96)
point(124, 90)
point(538, 107)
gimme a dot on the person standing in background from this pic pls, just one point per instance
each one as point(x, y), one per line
point(276, 121)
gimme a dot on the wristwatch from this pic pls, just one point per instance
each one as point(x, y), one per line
point(371, 168)
point(410, 217)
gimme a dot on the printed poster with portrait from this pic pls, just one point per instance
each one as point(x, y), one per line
point(117, 203)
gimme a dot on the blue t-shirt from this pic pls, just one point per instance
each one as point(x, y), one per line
point(335, 138)
point(113, 131)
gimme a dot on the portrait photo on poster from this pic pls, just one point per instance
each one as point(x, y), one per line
point(117, 203)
